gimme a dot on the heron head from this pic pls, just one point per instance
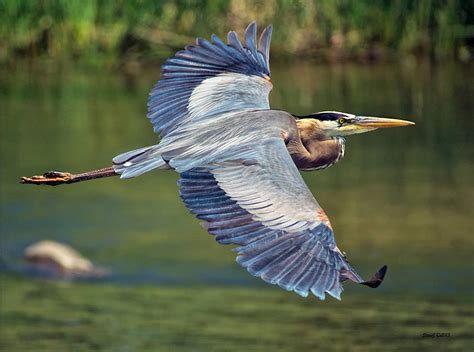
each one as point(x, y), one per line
point(335, 124)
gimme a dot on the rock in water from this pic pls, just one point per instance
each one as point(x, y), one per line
point(57, 259)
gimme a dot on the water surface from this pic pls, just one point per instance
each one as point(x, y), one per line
point(401, 197)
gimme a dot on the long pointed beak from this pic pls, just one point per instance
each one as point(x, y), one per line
point(380, 122)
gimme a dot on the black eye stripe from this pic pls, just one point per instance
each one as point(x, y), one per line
point(327, 116)
point(323, 116)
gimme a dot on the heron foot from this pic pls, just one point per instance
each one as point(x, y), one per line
point(51, 178)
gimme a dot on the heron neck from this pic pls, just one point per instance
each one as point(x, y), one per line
point(318, 152)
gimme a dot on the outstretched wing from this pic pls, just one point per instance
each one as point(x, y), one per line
point(262, 204)
point(203, 81)
point(209, 78)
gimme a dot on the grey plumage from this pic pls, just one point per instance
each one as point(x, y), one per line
point(301, 260)
point(238, 163)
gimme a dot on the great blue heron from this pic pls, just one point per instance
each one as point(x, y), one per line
point(238, 162)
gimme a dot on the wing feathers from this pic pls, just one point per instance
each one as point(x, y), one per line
point(188, 69)
point(251, 37)
point(300, 261)
point(264, 43)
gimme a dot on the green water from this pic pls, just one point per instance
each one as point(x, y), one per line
point(401, 197)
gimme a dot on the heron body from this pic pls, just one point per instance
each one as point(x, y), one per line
point(239, 161)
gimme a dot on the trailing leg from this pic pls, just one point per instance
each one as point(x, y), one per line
point(55, 178)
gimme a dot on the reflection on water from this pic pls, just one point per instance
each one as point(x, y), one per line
point(401, 197)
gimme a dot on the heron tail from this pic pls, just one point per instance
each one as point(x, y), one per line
point(136, 162)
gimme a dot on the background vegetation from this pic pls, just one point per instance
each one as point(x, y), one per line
point(111, 30)
point(74, 81)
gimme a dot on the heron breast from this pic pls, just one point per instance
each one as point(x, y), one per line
point(322, 154)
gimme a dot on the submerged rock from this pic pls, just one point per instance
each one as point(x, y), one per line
point(54, 259)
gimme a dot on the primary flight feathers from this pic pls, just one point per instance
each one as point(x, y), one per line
point(168, 104)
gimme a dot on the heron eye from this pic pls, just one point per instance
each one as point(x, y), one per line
point(341, 121)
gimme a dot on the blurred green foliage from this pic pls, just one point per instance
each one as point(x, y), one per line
point(114, 30)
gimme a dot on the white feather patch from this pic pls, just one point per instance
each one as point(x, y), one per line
point(229, 92)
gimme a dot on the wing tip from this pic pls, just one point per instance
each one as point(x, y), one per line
point(252, 26)
point(267, 32)
point(377, 279)
point(264, 44)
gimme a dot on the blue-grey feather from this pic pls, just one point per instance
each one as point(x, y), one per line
point(257, 246)
point(141, 168)
point(193, 193)
point(234, 230)
point(198, 202)
point(127, 156)
point(269, 262)
point(221, 213)
point(292, 275)
point(280, 268)
point(336, 288)
point(247, 260)
point(307, 279)
point(297, 261)
point(251, 37)
point(264, 44)
point(220, 216)
point(242, 238)
point(235, 222)
point(234, 41)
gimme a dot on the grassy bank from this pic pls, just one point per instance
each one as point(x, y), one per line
point(109, 30)
point(48, 316)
